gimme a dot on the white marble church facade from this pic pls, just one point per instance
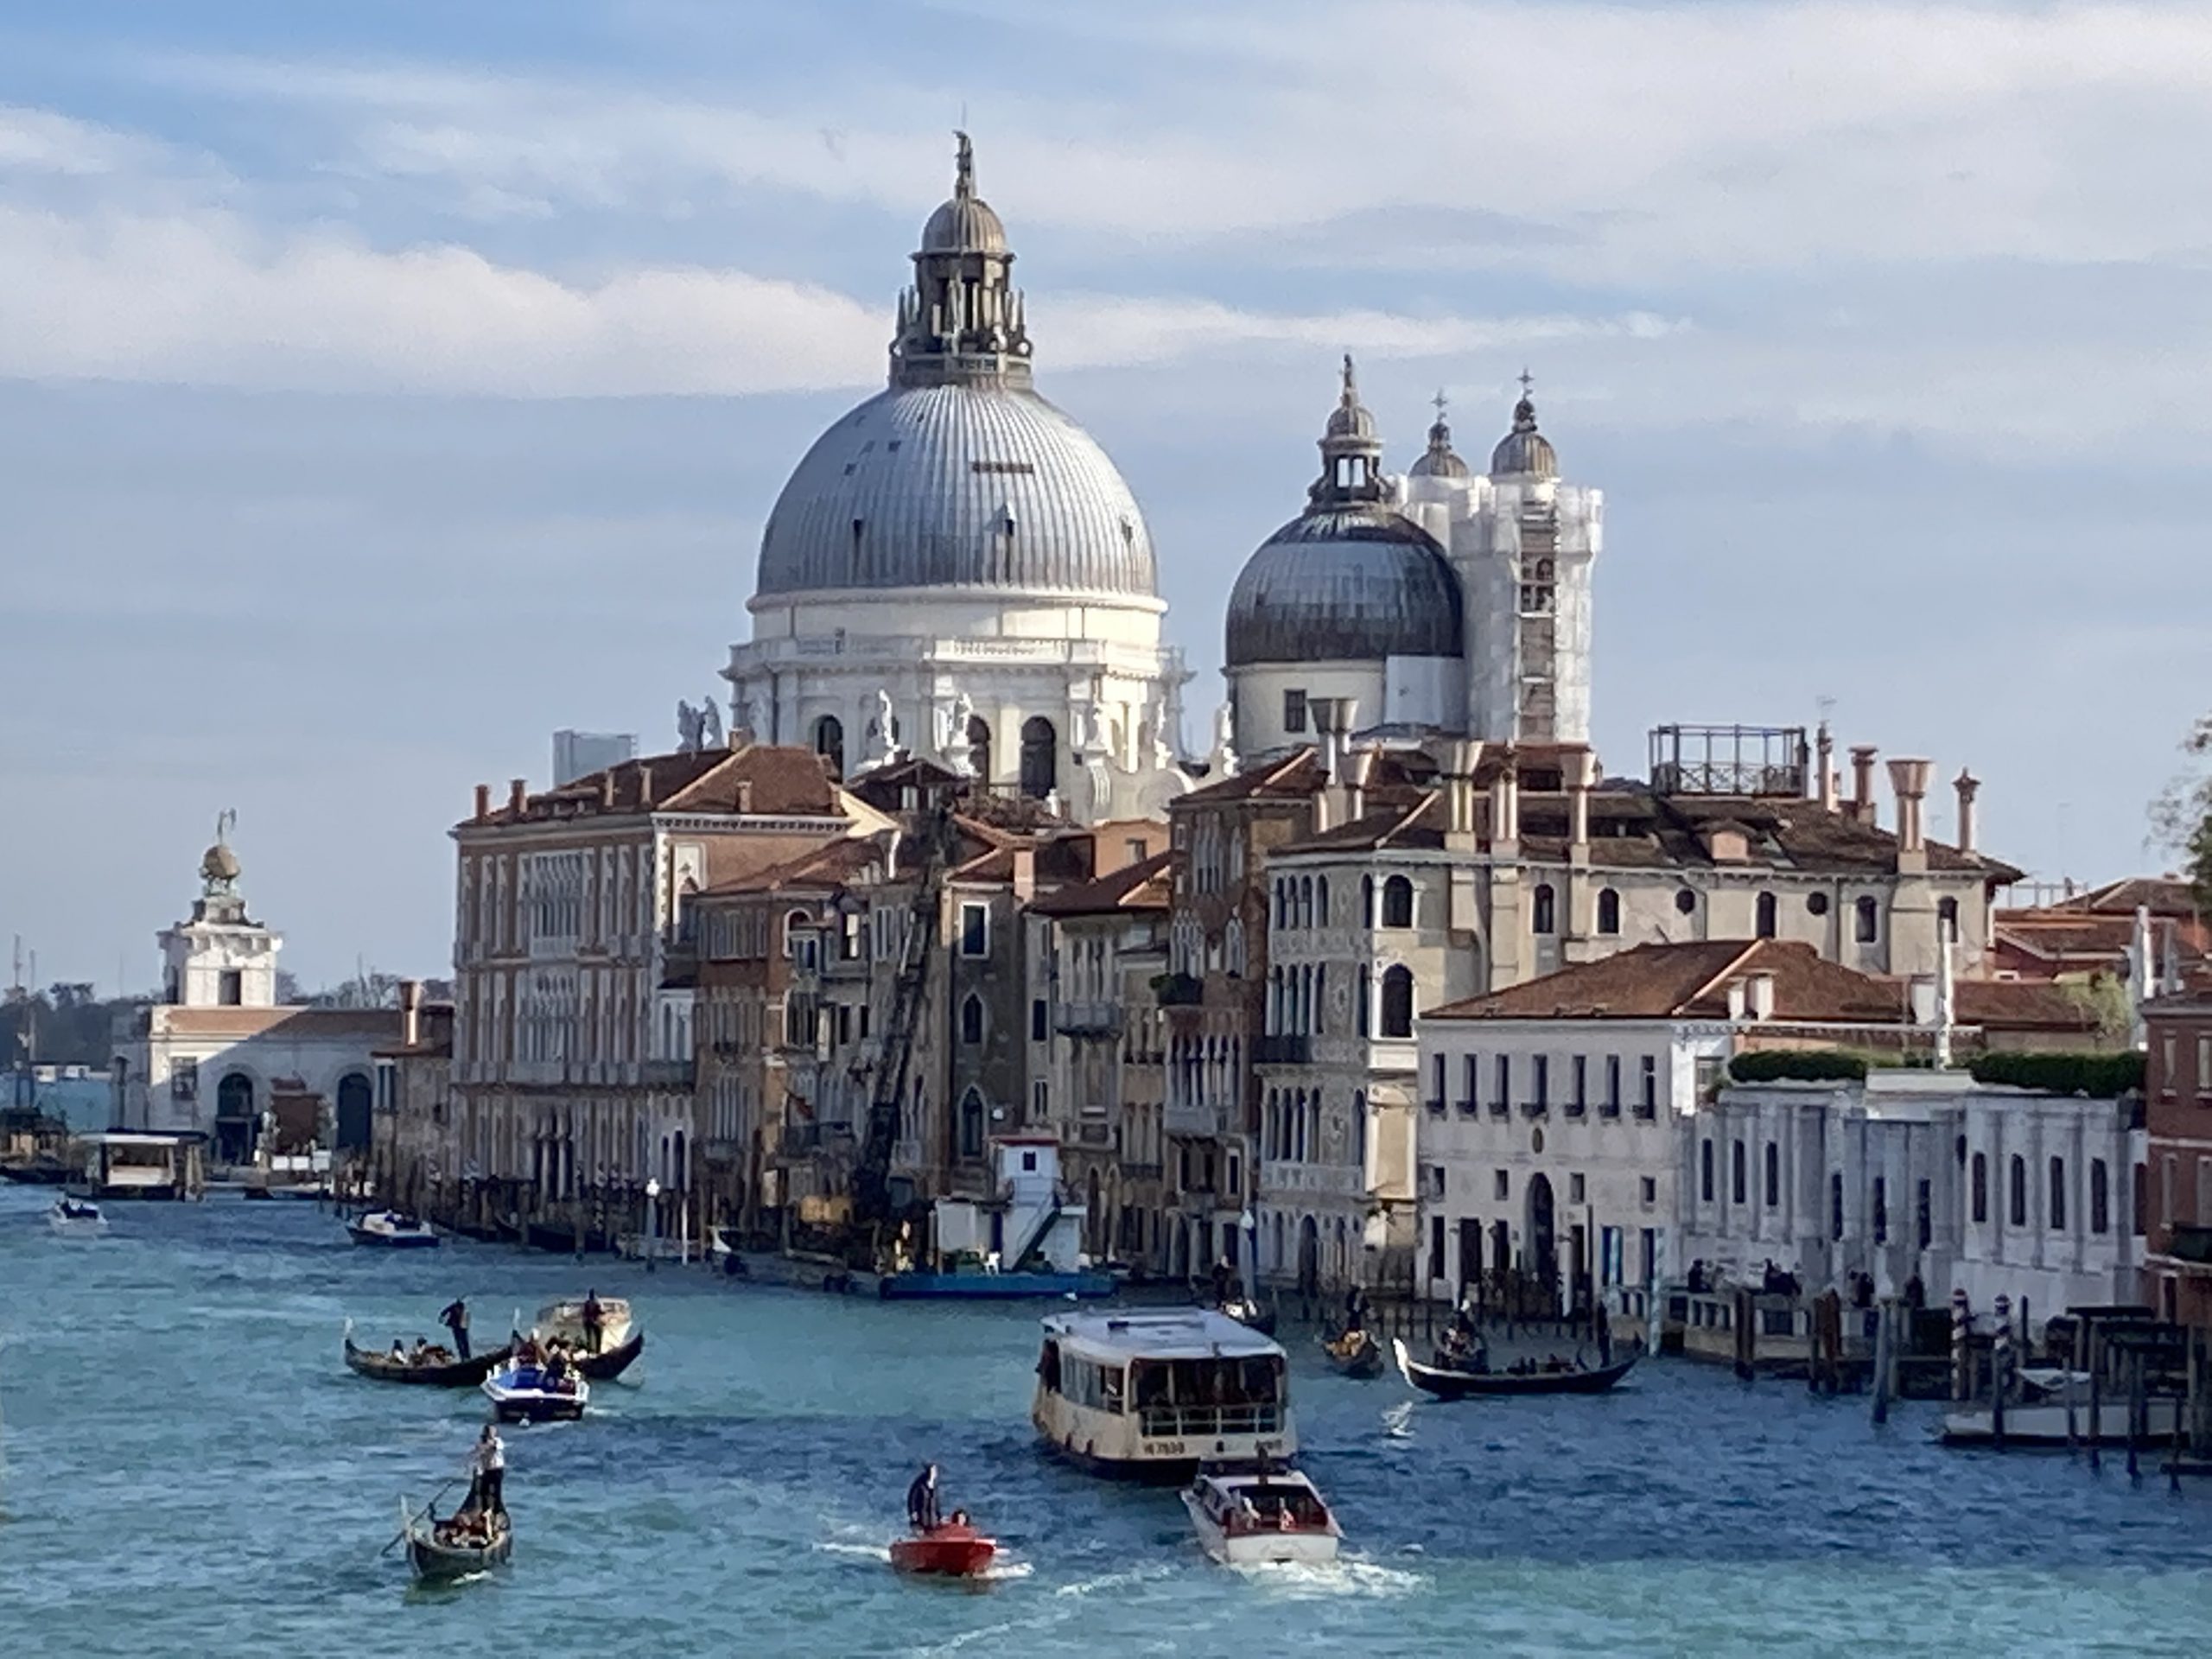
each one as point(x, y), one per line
point(956, 570)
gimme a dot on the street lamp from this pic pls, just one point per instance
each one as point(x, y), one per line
point(652, 1221)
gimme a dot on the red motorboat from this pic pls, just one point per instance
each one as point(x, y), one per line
point(954, 1549)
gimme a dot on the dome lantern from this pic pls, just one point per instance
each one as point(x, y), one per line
point(1351, 454)
point(963, 320)
point(1524, 452)
point(1438, 461)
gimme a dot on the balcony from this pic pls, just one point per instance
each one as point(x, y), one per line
point(1577, 1109)
point(1282, 1050)
point(1535, 1109)
point(668, 1074)
point(1646, 1110)
point(1468, 1108)
point(1501, 1109)
point(2192, 1244)
point(1610, 1108)
point(1435, 1105)
point(1200, 1122)
point(1087, 1019)
point(1179, 990)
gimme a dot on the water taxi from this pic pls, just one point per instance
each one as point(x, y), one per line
point(952, 1549)
point(529, 1394)
point(76, 1218)
point(1150, 1395)
point(1261, 1518)
point(393, 1230)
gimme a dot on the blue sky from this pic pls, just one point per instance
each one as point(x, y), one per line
point(381, 387)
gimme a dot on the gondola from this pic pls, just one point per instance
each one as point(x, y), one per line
point(617, 1327)
point(1356, 1353)
point(444, 1374)
point(1447, 1384)
point(439, 1560)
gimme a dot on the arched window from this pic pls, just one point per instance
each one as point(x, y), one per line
point(1397, 902)
point(352, 1103)
point(971, 1125)
point(1542, 911)
point(1233, 948)
point(1040, 757)
point(1947, 919)
point(1282, 905)
point(1609, 911)
point(2056, 1220)
point(1359, 1127)
point(1397, 1000)
point(1305, 901)
point(971, 1021)
point(1870, 919)
point(795, 922)
point(2016, 1193)
point(1321, 902)
point(830, 742)
point(1367, 901)
point(1981, 1184)
point(979, 746)
point(1363, 1018)
point(1773, 1175)
point(1737, 1193)
point(1764, 927)
point(1704, 1170)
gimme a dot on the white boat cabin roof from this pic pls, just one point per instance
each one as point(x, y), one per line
point(1160, 1333)
point(1236, 1480)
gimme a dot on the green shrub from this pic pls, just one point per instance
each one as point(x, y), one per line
point(2102, 1077)
point(1798, 1065)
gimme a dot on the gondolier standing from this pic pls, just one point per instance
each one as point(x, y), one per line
point(455, 1320)
point(488, 1469)
point(594, 1321)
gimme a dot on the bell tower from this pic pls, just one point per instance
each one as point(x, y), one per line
point(222, 957)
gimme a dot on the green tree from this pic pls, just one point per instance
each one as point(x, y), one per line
point(2181, 818)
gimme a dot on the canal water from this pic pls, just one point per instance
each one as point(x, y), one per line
point(186, 1467)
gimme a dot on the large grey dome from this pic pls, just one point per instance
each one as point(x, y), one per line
point(963, 484)
point(1358, 582)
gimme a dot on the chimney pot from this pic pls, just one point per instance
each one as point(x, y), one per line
point(1759, 989)
point(1908, 783)
point(483, 802)
point(517, 795)
point(1825, 785)
point(1969, 786)
point(410, 1012)
point(1862, 782)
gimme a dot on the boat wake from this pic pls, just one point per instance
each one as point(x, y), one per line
point(1397, 1421)
point(861, 1552)
point(1349, 1577)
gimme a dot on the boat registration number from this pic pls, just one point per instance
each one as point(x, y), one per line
point(1163, 1448)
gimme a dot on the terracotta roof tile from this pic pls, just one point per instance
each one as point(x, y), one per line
point(1140, 886)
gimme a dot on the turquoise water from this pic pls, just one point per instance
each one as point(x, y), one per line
point(185, 1467)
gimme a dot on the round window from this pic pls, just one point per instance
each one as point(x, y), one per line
point(1686, 901)
point(1536, 1141)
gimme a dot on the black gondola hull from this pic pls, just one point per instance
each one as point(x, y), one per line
point(1447, 1384)
point(605, 1368)
point(458, 1374)
point(434, 1562)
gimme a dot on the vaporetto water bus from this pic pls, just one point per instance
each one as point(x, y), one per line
point(1150, 1395)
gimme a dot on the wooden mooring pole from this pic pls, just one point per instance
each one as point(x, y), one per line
point(1885, 1355)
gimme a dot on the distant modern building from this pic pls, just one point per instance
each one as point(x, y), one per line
point(576, 754)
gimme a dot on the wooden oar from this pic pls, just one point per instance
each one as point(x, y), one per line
point(426, 1509)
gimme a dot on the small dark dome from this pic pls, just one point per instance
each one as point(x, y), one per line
point(1438, 460)
point(1358, 582)
point(963, 225)
point(1524, 452)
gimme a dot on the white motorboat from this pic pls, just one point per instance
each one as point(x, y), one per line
point(393, 1230)
point(1248, 1518)
point(529, 1394)
point(76, 1218)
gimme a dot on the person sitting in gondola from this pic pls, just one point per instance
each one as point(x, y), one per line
point(921, 1500)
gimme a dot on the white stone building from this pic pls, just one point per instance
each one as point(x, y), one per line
point(1915, 1174)
point(219, 1055)
point(956, 570)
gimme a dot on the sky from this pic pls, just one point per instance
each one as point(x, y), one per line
point(383, 387)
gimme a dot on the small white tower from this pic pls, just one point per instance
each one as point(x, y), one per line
point(222, 957)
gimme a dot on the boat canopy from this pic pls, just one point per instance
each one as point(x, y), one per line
point(1170, 1333)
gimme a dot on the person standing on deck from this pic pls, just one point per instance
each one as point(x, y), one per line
point(1356, 1308)
point(1221, 1282)
point(921, 1500)
point(488, 1466)
point(594, 1321)
point(455, 1320)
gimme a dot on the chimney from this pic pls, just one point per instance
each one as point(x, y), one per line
point(1505, 801)
point(1333, 718)
point(1581, 777)
point(1025, 875)
point(744, 798)
point(1456, 759)
point(1759, 993)
point(483, 802)
point(1969, 786)
point(517, 795)
point(1740, 1001)
point(1909, 783)
point(606, 790)
point(1825, 785)
point(646, 785)
point(1862, 782)
point(410, 1012)
point(1922, 990)
point(1357, 769)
